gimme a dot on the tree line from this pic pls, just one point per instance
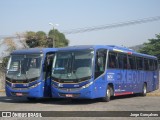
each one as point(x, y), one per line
point(152, 47)
point(41, 39)
point(31, 39)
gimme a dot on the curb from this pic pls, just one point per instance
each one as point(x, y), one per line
point(2, 90)
point(153, 94)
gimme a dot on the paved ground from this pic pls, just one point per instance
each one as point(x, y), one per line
point(125, 103)
point(130, 103)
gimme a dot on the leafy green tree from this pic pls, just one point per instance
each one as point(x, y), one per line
point(59, 38)
point(40, 39)
point(152, 47)
point(31, 40)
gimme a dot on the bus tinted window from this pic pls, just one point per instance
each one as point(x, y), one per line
point(122, 61)
point(146, 64)
point(131, 62)
point(151, 65)
point(139, 61)
point(112, 60)
point(100, 62)
point(155, 65)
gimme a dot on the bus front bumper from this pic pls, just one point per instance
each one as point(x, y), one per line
point(85, 93)
point(24, 92)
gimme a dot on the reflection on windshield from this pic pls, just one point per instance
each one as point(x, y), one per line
point(72, 65)
point(22, 67)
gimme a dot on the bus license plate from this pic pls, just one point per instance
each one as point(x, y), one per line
point(19, 94)
point(69, 95)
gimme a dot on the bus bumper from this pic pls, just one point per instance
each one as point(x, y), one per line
point(85, 93)
point(24, 92)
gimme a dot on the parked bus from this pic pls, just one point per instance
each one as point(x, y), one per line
point(28, 73)
point(101, 72)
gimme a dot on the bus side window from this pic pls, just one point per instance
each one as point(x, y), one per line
point(100, 62)
point(151, 65)
point(139, 61)
point(146, 64)
point(122, 61)
point(112, 60)
point(131, 62)
point(155, 65)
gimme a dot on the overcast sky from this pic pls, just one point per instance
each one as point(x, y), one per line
point(35, 15)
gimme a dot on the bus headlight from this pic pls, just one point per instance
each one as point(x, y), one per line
point(33, 86)
point(87, 85)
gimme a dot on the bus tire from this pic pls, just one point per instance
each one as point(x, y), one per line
point(144, 91)
point(108, 95)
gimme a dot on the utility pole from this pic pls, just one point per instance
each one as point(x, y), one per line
point(54, 44)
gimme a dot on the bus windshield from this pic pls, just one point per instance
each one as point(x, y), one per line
point(72, 66)
point(24, 67)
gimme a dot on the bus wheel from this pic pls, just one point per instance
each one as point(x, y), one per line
point(31, 98)
point(108, 95)
point(144, 92)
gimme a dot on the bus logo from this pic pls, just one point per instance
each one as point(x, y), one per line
point(110, 76)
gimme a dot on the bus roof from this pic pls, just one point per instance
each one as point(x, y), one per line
point(33, 51)
point(109, 47)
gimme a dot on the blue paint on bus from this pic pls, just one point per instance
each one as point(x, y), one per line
point(28, 73)
point(89, 70)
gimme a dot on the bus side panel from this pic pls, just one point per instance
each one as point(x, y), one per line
point(122, 81)
point(155, 80)
point(99, 87)
point(140, 81)
point(131, 80)
point(149, 78)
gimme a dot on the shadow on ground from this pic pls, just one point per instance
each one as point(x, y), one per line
point(17, 100)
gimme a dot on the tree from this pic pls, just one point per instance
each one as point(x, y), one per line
point(30, 38)
point(10, 43)
point(11, 46)
point(59, 38)
point(152, 47)
point(40, 39)
point(20, 37)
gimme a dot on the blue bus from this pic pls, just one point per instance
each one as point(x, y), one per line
point(28, 73)
point(101, 72)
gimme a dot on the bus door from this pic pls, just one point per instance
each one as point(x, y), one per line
point(47, 73)
point(114, 74)
point(99, 74)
